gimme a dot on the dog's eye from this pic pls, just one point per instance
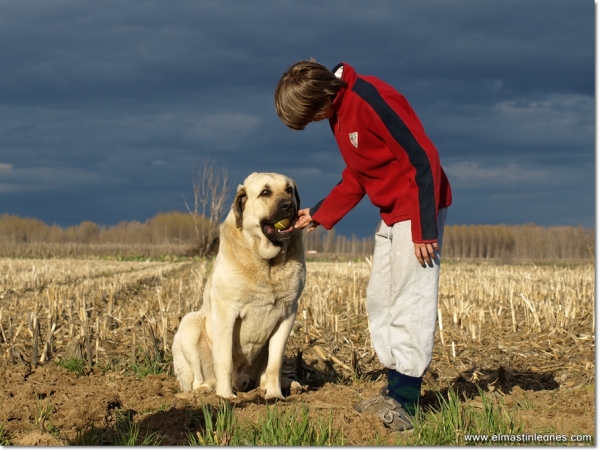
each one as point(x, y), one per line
point(266, 193)
point(290, 190)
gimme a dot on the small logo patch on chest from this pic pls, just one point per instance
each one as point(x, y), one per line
point(354, 139)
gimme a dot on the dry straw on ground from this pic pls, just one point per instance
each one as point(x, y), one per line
point(539, 317)
point(522, 333)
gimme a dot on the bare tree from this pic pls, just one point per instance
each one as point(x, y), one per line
point(211, 186)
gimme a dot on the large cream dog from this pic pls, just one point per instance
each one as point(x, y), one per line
point(237, 338)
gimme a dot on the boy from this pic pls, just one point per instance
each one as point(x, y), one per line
point(388, 157)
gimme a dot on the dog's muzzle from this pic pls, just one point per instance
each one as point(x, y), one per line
point(285, 210)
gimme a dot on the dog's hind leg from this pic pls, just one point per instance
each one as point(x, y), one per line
point(204, 375)
point(181, 368)
point(192, 359)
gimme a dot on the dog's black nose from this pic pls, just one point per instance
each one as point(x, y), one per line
point(285, 205)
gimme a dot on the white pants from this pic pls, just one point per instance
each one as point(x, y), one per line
point(402, 299)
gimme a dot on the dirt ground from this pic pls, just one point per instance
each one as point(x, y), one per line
point(544, 379)
point(543, 403)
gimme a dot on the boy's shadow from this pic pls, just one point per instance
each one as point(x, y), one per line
point(471, 383)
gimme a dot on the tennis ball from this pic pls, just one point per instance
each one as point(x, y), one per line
point(282, 225)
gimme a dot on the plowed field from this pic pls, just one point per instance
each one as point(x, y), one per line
point(522, 335)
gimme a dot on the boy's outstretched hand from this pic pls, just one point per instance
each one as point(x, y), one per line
point(304, 220)
point(425, 252)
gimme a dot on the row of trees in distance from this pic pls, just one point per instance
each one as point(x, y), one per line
point(195, 234)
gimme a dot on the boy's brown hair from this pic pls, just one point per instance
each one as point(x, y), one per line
point(305, 91)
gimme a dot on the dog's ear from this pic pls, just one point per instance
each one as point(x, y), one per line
point(238, 207)
point(297, 196)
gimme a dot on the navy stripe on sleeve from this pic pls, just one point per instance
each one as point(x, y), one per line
point(314, 209)
point(416, 154)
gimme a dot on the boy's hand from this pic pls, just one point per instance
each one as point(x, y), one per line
point(425, 252)
point(304, 220)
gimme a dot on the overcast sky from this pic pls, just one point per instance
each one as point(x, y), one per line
point(107, 107)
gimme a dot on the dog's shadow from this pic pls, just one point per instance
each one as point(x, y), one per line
point(178, 424)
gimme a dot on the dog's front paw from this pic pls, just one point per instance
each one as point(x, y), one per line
point(204, 388)
point(225, 392)
point(295, 388)
point(274, 394)
point(229, 395)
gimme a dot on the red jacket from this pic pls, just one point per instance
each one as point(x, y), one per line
point(388, 156)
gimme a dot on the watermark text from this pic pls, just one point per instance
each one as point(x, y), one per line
point(529, 438)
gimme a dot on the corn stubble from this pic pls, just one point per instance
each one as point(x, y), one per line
point(508, 318)
point(113, 308)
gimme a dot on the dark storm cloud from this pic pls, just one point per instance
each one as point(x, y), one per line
point(107, 108)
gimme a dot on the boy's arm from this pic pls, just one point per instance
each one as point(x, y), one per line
point(342, 198)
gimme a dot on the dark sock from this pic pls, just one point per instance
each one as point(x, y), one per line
point(404, 389)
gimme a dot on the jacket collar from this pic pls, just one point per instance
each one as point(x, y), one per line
point(349, 76)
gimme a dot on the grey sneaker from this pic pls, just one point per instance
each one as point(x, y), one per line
point(388, 409)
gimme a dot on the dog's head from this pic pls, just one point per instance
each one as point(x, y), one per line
point(264, 199)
